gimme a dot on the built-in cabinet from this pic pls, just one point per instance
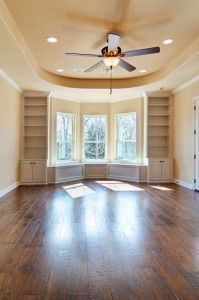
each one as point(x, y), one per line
point(158, 136)
point(33, 171)
point(34, 144)
point(160, 170)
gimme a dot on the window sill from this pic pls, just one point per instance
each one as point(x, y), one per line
point(95, 162)
point(104, 162)
point(65, 164)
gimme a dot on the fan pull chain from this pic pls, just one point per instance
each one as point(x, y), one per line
point(111, 68)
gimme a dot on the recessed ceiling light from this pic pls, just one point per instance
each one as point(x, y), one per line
point(60, 70)
point(168, 41)
point(52, 39)
point(143, 71)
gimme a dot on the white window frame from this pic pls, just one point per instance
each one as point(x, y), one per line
point(73, 138)
point(105, 141)
point(131, 161)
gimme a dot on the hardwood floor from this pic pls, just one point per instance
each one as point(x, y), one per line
point(137, 244)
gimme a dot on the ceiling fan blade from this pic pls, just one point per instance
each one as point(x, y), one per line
point(141, 52)
point(95, 66)
point(125, 65)
point(113, 41)
point(83, 54)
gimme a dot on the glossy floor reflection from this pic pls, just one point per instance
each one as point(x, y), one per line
point(161, 188)
point(119, 186)
point(134, 244)
point(78, 190)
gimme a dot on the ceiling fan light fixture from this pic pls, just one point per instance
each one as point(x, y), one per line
point(111, 61)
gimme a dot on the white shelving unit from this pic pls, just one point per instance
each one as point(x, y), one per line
point(158, 125)
point(158, 135)
point(35, 133)
point(35, 127)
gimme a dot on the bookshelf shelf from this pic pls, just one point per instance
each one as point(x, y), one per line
point(35, 128)
point(158, 125)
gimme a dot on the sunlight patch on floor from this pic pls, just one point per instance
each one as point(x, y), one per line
point(161, 188)
point(119, 186)
point(78, 190)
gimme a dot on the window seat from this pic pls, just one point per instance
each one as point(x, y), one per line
point(111, 170)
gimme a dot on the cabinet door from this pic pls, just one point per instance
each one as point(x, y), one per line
point(154, 170)
point(39, 171)
point(26, 171)
point(167, 169)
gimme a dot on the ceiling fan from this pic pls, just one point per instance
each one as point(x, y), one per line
point(112, 54)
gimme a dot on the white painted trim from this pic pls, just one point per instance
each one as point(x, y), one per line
point(195, 140)
point(9, 188)
point(36, 93)
point(10, 81)
point(186, 84)
point(184, 184)
point(157, 94)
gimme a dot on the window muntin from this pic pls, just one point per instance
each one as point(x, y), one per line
point(95, 132)
point(65, 136)
point(126, 137)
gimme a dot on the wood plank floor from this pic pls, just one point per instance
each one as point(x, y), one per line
point(122, 241)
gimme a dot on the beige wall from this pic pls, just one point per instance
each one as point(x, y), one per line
point(10, 116)
point(183, 125)
point(109, 109)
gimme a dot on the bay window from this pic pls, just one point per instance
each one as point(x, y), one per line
point(126, 137)
point(95, 137)
point(65, 136)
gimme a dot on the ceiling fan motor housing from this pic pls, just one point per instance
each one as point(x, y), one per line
point(105, 51)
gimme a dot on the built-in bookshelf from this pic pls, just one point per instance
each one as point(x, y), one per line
point(35, 127)
point(158, 125)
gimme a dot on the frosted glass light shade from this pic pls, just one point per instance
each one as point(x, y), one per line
point(111, 61)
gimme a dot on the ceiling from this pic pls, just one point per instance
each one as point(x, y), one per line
point(32, 62)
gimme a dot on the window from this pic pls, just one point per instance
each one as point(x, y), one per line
point(95, 130)
point(126, 136)
point(65, 130)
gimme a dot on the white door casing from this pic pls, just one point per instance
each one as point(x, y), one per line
point(196, 143)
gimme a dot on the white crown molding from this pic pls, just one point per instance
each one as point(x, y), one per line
point(36, 93)
point(157, 94)
point(9, 189)
point(186, 84)
point(9, 80)
point(74, 99)
point(61, 97)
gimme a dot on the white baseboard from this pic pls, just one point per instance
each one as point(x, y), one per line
point(184, 184)
point(9, 188)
